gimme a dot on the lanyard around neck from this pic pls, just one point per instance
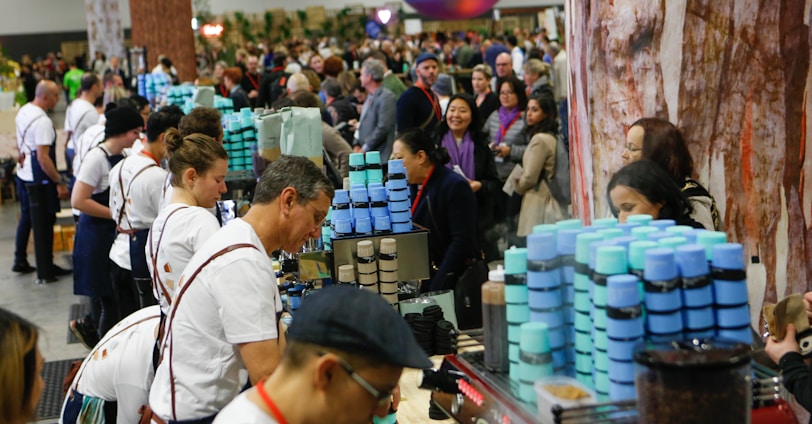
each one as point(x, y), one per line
point(151, 156)
point(435, 104)
point(422, 187)
point(277, 414)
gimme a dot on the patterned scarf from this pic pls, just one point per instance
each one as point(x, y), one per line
point(506, 119)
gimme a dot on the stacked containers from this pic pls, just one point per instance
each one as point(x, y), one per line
point(604, 222)
point(397, 189)
point(624, 326)
point(360, 211)
point(662, 224)
point(642, 219)
point(730, 293)
point(374, 170)
point(358, 173)
point(582, 305)
point(516, 300)
point(249, 141)
point(234, 142)
point(535, 361)
point(697, 292)
point(637, 263)
point(388, 270)
point(327, 230)
point(663, 295)
point(346, 275)
point(708, 239)
point(544, 292)
point(609, 260)
point(642, 232)
point(379, 211)
point(367, 266)
point(565, 243)
point(341, 217)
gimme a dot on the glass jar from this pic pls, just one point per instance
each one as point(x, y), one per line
point(693, 381)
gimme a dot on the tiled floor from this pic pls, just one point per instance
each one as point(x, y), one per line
point(48, 305)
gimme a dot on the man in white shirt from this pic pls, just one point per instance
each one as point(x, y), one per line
point(136, 194)
point(37, 177)
point(81, 115)
point(223, 317)
point(346, 350)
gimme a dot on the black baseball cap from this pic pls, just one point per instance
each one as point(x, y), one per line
point(358, 322)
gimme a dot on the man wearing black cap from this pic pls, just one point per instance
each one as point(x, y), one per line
point(223, 318)
point(418, 106)
point(346, 350)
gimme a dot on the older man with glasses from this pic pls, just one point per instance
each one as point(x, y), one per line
point(224, 314)
point(346, 350)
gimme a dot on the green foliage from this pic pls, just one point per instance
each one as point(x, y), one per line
point(302, 16)
point(268, 28)
point(19, 98)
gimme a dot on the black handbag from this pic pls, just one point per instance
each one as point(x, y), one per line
point(468, 294)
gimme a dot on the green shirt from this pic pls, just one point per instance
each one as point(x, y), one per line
point(394, 84)
point(73, 81)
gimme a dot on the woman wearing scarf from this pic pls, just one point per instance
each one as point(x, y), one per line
point(505, 128)
point(538, 204)
point(467, 144)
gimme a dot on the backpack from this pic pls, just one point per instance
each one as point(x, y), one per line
point(559, 184)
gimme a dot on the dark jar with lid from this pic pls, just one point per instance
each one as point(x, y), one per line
point(693, 381)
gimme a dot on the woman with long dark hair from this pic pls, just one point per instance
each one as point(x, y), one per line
point(538, 165)
point(467, 144)
point(643, 187)
point(443, 202)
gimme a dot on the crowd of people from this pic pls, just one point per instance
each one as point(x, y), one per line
point(165, 304)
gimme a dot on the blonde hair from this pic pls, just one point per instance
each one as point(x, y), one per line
point(18, 363)
point(197, 151)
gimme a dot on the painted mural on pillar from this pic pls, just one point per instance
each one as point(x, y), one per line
point(734, 76)
point(104, 31)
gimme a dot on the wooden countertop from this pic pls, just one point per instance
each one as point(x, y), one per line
point(414, 404)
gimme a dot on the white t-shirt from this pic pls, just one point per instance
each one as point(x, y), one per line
point(34, 128)
point(243, 411)
point(140, 179)
point(95, 170)
point(80, 116)
point(91, 138)
point(119, 368)
point(180, 237)
point(232, 301)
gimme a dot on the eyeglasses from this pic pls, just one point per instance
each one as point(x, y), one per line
point(506, 93)
point(632, 148)
point(382, 397)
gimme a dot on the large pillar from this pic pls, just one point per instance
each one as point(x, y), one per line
point(734, 76)
point(164, 27)
point(104, 32)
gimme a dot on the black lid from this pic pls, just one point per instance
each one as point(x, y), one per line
point(697, 354)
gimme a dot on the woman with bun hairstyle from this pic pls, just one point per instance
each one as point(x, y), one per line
point(21, 382)
point(443, 202)
point(198, 166)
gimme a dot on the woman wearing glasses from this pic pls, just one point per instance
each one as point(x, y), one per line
point(661, 142)
point(505, 127)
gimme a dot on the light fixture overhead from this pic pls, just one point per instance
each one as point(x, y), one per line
point(195, 24)
point(384, 15)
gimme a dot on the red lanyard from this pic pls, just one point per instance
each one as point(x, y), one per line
point(277, 415)
point(151, 156)
point(223, 91)
point(504, 130)
point(253, 82)
point(435, 104)
point(422, 187)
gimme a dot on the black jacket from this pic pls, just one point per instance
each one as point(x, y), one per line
point(448, 209)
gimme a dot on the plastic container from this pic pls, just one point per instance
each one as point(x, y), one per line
point(662, 224)
point(700, 381)
point(642, 219)
point(547, 397)
point(642, 232)
point(604, 222)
